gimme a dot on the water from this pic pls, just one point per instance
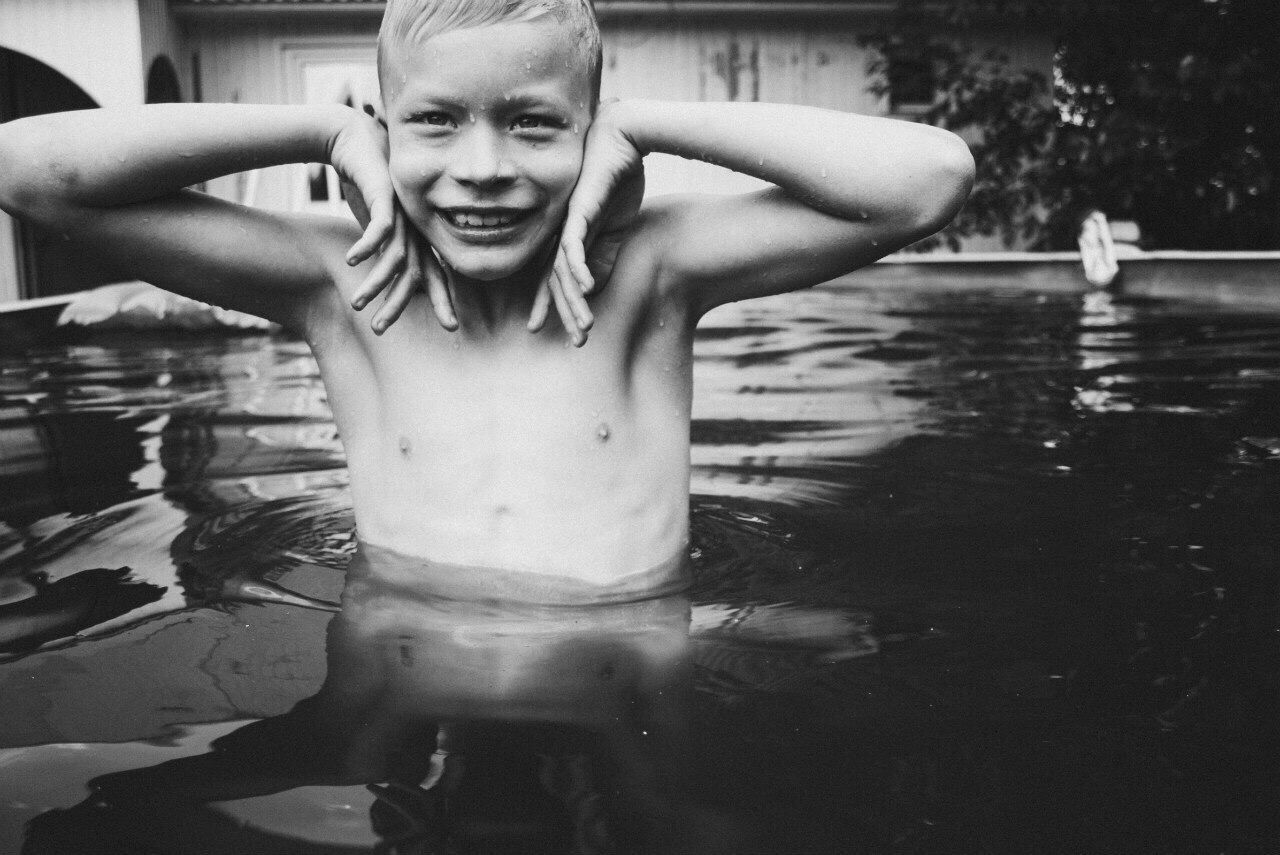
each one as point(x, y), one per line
point(974, 573)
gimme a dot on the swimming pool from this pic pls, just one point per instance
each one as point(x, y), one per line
point(975, 572)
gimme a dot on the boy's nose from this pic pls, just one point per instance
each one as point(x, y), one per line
point(482, 158)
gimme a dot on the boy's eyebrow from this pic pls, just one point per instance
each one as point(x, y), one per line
point(530, 99)
point(516, 101)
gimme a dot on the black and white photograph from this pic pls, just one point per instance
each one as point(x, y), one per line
point(639, 427)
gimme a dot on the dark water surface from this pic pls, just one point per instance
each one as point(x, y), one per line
point(974, 573)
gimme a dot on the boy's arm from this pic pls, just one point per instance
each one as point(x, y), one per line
point(112, 181)
point(848, 190)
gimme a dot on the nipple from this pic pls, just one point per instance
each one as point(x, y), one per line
point(602, 432)
point(404, 445)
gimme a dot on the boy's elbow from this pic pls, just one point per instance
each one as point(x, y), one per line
point(32, 180)
point(950, 181)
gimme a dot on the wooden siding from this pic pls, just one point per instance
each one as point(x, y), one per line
point(245, 62)
point(711, 60)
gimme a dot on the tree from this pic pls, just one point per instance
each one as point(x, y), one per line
point(1163, 111)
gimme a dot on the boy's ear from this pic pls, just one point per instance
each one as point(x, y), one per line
point(373, 114)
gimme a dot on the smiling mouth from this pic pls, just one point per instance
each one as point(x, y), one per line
point(482, 220)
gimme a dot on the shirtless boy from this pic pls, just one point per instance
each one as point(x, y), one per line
point(475, 435)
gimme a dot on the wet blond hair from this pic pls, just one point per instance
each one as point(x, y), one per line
point(411, 22)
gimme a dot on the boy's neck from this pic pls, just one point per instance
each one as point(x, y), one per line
point(494, 304)
point(500, 303)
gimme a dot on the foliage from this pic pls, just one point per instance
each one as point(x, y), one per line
point(1163, 111)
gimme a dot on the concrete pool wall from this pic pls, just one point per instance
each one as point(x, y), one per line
point(1246, 279)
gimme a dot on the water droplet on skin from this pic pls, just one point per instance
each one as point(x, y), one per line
point(575, 128)
point(862, 214)
point(404, 445)
point(582, 105)
point(824, 172)
point(528, 66)
point(875, 243)
point(602, 432)
point(760, 161)
point(661, 322)
point(472, 117)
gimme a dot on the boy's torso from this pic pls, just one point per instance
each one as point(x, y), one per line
point(501, 448)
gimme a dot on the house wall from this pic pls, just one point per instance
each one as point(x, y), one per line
point(245, 61)
point(162, 35)
point(814, 60)
point(95, 43)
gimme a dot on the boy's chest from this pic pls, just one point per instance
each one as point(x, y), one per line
point(452, 391)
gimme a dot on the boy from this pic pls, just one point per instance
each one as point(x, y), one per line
point(481, 439)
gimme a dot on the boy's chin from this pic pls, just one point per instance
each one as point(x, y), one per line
point(486, 270)
point(493, 264)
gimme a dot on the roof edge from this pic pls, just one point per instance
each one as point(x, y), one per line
point(605, 9)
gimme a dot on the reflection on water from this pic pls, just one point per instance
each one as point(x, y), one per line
point(453, 725)
point(971, 573)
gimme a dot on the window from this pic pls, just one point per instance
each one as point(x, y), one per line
point(912, 84)
point(328, 72)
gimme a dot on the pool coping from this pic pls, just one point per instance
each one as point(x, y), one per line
point(1244, 279)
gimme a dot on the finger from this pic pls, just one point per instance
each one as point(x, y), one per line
point(573, 245)
point(572, 291)
point(382, 222)
point(355, 201)
point(397, 299)
point(577, 336)
point(438, 290)
point(541, 305)
point(383, 273)
point(402, 290)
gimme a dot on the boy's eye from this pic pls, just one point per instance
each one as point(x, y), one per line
point(531, 122)
point(434, 118)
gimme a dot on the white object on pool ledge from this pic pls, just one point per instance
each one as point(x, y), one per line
point(1098, 250)
point(138, 305)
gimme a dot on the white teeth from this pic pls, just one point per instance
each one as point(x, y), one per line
point(468, 220)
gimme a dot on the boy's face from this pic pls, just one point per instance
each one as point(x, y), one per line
point(486, 127)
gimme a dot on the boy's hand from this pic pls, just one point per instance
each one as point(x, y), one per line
point(604, 201)
point(359, 154)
